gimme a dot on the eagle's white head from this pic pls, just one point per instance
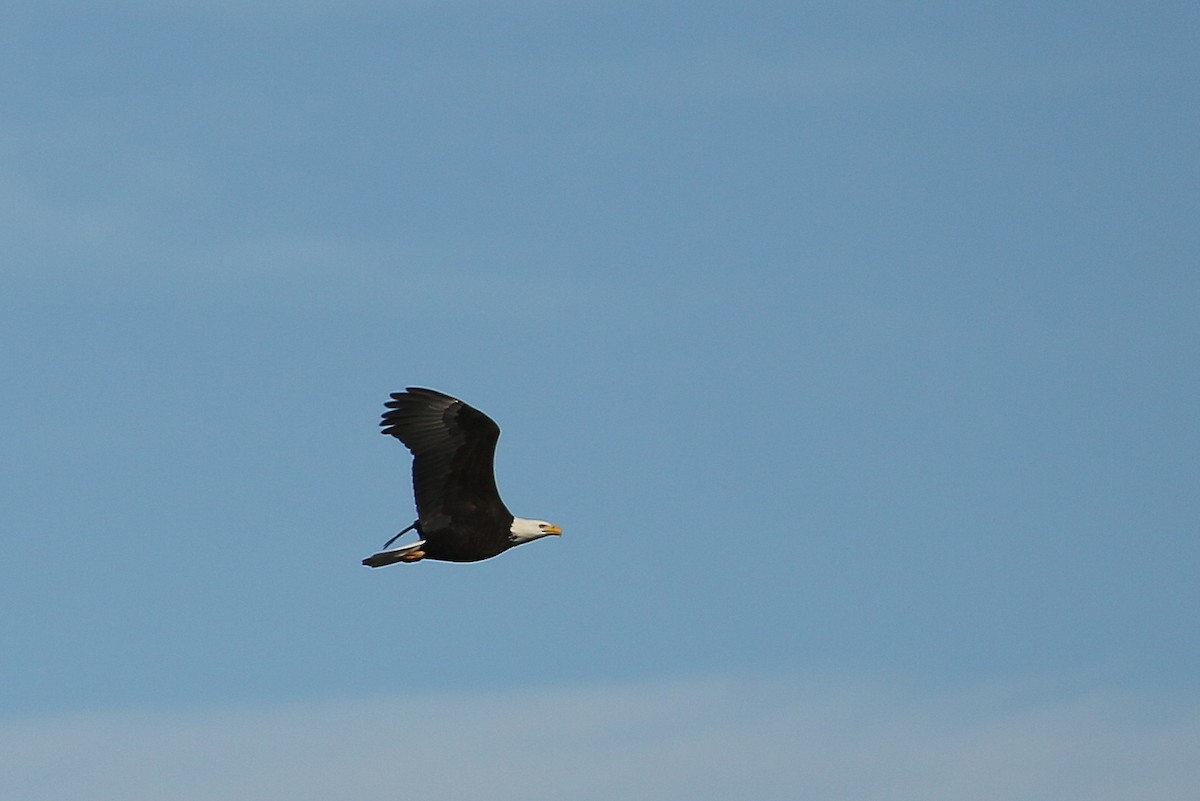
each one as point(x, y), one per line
point(527, 530)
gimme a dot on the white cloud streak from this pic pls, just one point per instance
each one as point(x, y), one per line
point(711, 739)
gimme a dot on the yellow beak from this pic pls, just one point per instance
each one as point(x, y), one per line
point(553, 530)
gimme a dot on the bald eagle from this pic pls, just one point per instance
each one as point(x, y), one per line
point(460, 517)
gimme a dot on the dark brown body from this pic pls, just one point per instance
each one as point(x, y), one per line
point(459, 512)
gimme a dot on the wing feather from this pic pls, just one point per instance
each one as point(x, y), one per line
point(453, 447)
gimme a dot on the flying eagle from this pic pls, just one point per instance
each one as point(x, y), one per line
point(460, 517)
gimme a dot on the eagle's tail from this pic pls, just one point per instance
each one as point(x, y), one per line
point(405, 553)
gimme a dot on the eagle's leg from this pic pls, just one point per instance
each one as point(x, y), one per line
point(413, 556)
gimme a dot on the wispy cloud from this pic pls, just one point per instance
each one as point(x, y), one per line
point(681, 740)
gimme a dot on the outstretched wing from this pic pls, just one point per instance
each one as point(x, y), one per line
point(453, 447)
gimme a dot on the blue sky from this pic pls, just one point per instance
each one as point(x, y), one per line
point(853, 345)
